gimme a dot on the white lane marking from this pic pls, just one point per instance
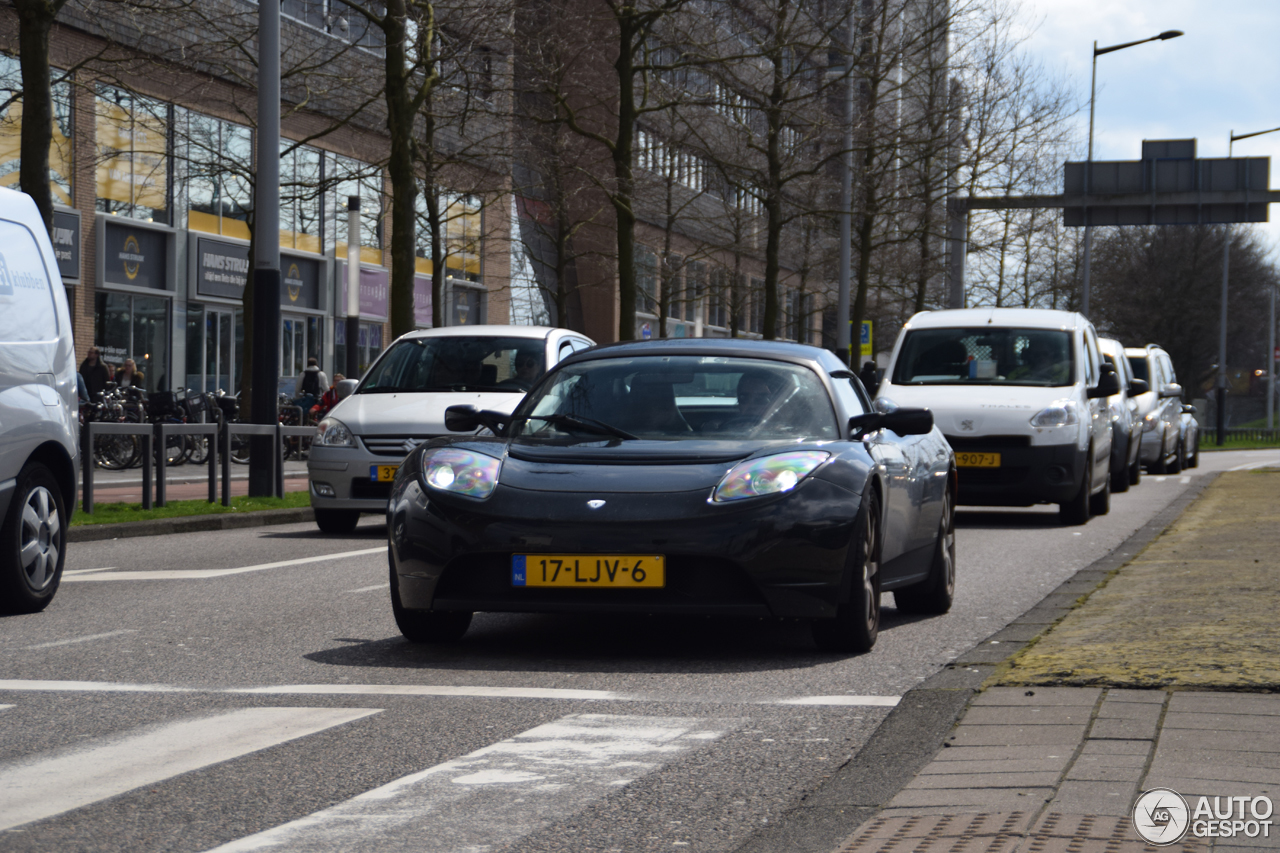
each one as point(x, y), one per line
point(194, 574)
point(444, 691)
point(7, 707)
point(376, 586)
point(1186, 480)
point(496, 795)
point(1160, 479)
point(431, 690)
point(859, 701)
point(87, 639)
point(46, 785)
point(69, 572)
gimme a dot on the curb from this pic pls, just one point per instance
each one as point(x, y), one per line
point(189, 524)
point(916, 728)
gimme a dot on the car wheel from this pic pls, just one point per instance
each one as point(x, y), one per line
point(1135, 472)
point(857, 621)
point(1175, 464)
point(337, 520)
point(33, 546)
point(1194, 460)
point(425, 626)
point(935, 594)
point(1076, 510)
point(1120, 478)
point(1100, 504)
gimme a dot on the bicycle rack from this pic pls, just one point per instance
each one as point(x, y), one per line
point(162, 433)
point(95, 428)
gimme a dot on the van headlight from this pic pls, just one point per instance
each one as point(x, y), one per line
point(768, 475)
point(1056, 414)
point(331, 432)
point(462, 472)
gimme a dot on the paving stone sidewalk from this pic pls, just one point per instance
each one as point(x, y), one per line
point(1035, 766)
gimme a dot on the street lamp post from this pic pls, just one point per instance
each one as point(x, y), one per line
point(1221, 403)
point(1088, 169)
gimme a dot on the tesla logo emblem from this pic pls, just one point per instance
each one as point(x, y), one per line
point(966, 425)
point(595, 504)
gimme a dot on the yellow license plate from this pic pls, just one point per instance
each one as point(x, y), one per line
point(383, 473)
point(589, 571)
point(978, 460)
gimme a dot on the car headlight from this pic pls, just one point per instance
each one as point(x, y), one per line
point(1056, 414)
point(332, 432)
point(452, 469)
point(1150, 422)
point(768, 475)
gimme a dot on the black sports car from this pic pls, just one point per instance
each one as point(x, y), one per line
point(680, 477)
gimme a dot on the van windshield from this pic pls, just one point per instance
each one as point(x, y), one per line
point(986, 356)
point(457, 363)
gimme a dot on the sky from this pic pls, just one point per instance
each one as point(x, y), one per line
point(1222, 76)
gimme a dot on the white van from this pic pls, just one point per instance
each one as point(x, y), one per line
point(39, 412)
point(1021, 395)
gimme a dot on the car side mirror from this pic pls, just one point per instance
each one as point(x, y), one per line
point(1188, 409)
point(345, 388)
point(1108, 384)
point(901, 421)
point(470, 419)
point(1138, 386)
point(1173, 389)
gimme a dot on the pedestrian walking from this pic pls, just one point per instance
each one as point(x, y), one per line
point(95, 372)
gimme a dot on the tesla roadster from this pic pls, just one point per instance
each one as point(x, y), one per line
point(707, 477)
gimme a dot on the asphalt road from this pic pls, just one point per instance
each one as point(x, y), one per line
point(248, 689)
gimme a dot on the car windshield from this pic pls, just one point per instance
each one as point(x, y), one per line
point(986, 356)
point(679, 397)
point(457, 363)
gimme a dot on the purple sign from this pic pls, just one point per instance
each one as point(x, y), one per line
point(375, 286)
point(422, 301)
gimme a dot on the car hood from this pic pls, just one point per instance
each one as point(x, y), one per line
point(414, 413)
point(987, 410)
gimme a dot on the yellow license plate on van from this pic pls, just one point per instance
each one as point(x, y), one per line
point(589, 571)
point(978, 460)
point(383, 473)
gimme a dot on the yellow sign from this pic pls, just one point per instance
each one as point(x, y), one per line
point(867, 349)
point(131, 155)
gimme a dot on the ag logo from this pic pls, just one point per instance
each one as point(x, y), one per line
point(132, 257)
point(6, 281)
point(1161, 816)
point(293, 280)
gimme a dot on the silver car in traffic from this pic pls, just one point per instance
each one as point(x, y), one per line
point(1160, 408)
point(401, 400)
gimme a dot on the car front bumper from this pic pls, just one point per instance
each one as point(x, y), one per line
point(1048, 473)
point(782, 556)
point(339, 478)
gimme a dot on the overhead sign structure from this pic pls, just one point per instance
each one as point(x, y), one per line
point(1182, 189)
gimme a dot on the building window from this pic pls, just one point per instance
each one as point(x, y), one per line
point(60, 156)
point(718, 299)
point(135, 327)
point(301, 198)
point(133, 155)
point(646, 266)
point(461, 223)
point(370, 346)
point(695, 287)
point(350, 177)
point(219, 192)
point(336, 19)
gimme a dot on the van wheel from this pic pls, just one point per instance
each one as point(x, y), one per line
point(337, 520)
point(1100, 504)
point(1175, 464)
point(1193, 461)
point(936, 592)
point(1135, 472)
point(34, 543)
point(1076, 510)
point(1120, 478)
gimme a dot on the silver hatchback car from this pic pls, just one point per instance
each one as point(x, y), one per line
point(1160, 408)
point(400, 403)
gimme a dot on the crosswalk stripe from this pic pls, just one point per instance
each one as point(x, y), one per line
point(490, 798)
point(196, 574)
point(440, 690)
point(46, 785)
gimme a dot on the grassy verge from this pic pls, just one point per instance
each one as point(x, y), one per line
point(1238, 444)
point(113, 513)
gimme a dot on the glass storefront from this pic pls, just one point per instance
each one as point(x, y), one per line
point(215, 348)
point(136, 327)
point(370, 345)
point(300, 339)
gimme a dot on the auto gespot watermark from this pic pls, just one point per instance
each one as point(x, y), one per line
point(1162, 816)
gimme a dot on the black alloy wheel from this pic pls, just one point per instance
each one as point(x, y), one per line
point(857, 622)
point(425, 626)
point(34, 542)
point(935, 594)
